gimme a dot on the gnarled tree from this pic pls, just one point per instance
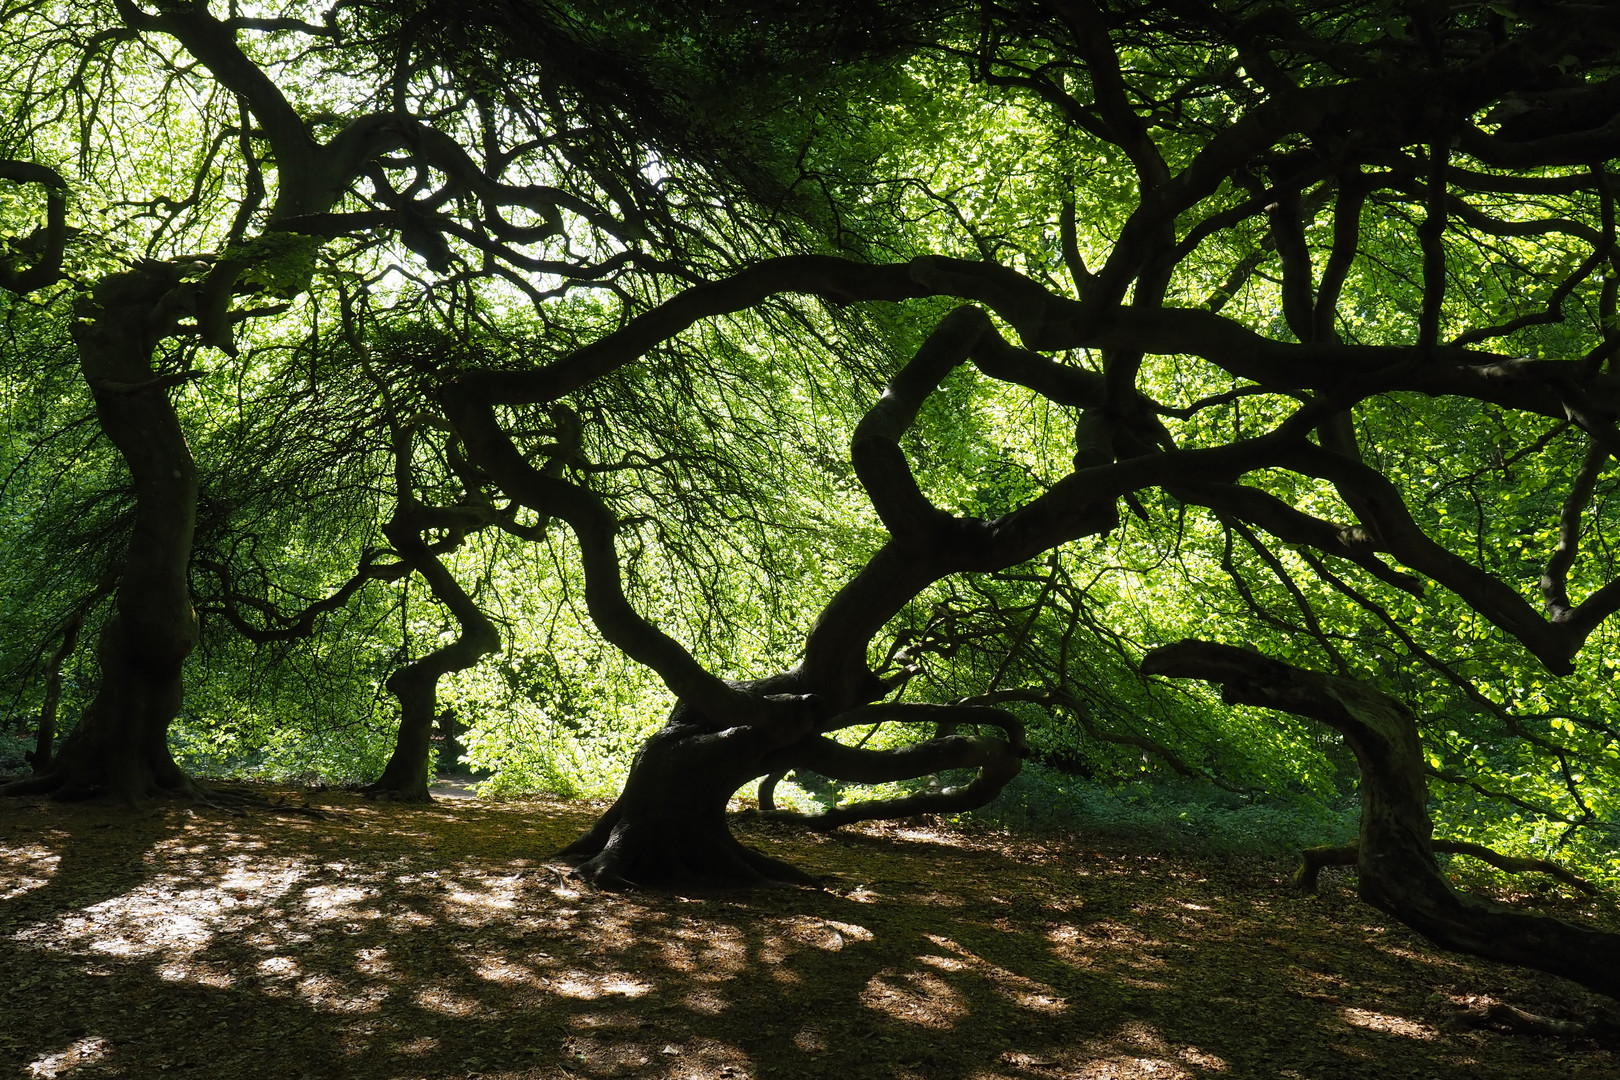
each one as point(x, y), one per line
point(1328, 294)
point(269, 169)
point(1308, 248)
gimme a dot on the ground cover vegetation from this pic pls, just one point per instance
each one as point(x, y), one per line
point(880, 396)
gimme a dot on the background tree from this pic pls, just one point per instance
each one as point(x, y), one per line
point(272, 171)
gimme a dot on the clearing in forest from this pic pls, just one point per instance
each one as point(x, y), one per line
point(380, 941)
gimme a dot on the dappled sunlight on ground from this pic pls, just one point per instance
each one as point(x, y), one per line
point(386, 941)
point(72, 1058)
point(26, 867)
point(1395, 1025)
point(915, 997)
point(588, 986)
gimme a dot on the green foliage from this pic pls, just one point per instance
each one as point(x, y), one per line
point(679, 142)
point(555, 721)
point(282, 264)
point(1193, 817)
point(12, 751)
point(309, 713)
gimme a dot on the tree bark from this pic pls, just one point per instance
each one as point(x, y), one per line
point(996, 761)
point(1395, 855)
point(668, 827)
point(1312, 860)
point(405, 778)
point(42, 756)
point(669, 824)
point(120, 746)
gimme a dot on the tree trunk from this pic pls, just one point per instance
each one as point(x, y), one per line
point(405, 778)
point(668, 826)
point(43, 755)
point(416, 685)
point(1395, 857)
point(120, 746)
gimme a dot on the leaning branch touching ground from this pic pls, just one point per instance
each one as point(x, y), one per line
point(380, 941)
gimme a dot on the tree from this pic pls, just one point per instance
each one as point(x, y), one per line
point(1290, 156)
point(280, 175)
point(1325, 297)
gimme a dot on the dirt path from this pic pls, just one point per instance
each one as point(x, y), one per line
point(385, 941)
point(453, 787)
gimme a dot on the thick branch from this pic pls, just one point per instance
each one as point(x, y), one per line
point(48, 244)
point(1395, 858)
point(1293, 526)
point(1553, 644)
point(834, 279)
point(1312, 860)
point(875, 448)
point(300, 624)
point(997, 760)
point(595, 527)
point(1555, 578)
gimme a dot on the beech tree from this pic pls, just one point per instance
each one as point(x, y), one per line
point(1415, 204)
point(290, 145)
point(1325, 293)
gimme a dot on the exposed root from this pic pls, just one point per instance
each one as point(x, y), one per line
point(604, 871)
point(1500, 1016)
point(33, 785)
point(285, 807)
point(66, 784)
point(1312, 860)
point(392, 794)
point(706, 862)
point(766, 795)
point(773, 869)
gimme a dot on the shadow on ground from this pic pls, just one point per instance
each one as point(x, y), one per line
point(386, 941)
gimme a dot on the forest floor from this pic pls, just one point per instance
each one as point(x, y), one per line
point(380, 941)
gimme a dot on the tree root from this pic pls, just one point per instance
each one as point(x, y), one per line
point(668, 829)
point(68, 785)
point(1500, 1016)
point(378, 790)
point(715, 862)
point(46, 784)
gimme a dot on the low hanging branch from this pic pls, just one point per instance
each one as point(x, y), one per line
point(1395, 853)
point(997, 762)
point(1312, 860)
point(282, 625)
point(1052, 699)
